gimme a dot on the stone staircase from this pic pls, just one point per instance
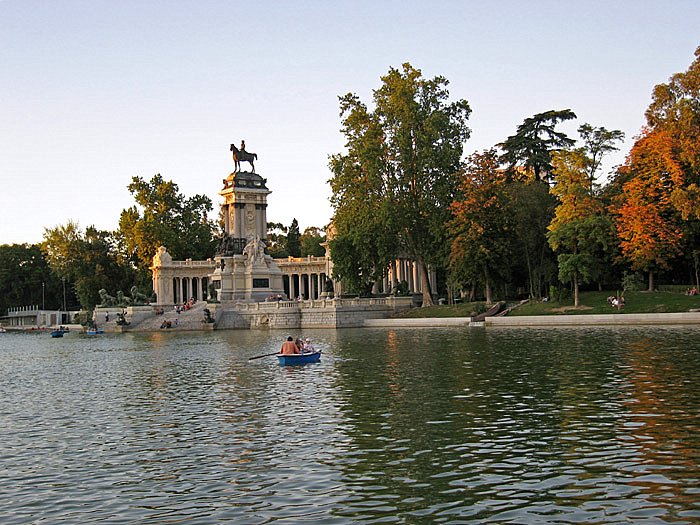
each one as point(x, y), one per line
point(186, 320)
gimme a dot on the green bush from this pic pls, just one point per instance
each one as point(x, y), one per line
point(632, 282)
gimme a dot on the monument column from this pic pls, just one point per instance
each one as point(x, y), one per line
point(244, 271)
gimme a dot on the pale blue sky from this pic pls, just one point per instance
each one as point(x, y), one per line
point(95, 92)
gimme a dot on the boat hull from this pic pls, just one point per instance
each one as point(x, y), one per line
point(299, 359)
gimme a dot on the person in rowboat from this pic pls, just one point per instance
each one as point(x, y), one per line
point(289, 348)
point(308, 347)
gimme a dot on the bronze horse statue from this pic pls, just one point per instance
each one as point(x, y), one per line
point(242, 156)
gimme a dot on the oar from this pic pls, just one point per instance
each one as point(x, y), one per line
point(264, 355)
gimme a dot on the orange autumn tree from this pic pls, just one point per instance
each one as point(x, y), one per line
point(675, 112)
point(480, 224)
point(647, 221)
point(580, 229)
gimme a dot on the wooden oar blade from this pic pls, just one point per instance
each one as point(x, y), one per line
point(264, 355)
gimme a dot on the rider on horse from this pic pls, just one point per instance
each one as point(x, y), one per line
point(242, 156)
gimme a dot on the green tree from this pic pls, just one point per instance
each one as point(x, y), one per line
point(89, 260)
point(480, 226)
point(404, 157)
point(294, 239)
point(353, 261)
point(535, 140)
point(164, 217)
point(311, 241)
point(276, 240)
point(25, 276)
point(362, 234)
point(531, 206)
point(597, 142)
point(580, 228)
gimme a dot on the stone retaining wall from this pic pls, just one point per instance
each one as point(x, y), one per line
point(322, 313)
point(420, 322)
point(596, 320)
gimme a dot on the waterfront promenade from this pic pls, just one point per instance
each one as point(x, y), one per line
point(683, 318)
point(261, 316)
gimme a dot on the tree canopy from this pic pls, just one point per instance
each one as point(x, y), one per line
point(535, 140)
point(162, 216)
point(480, 227)
point(580, 228)
point(398, 176)
point(89, 260)
point(294, 239)
point(597, 142)
point(25, 276)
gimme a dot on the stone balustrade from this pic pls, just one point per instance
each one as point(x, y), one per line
point(391, 302)
point(189, 263)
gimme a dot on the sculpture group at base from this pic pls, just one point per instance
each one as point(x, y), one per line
point(136, 298)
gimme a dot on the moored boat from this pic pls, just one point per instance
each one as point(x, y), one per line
point(94, 332)
point(57, 333)
point(299, 359)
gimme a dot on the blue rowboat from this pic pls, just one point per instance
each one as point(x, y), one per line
point(95, 332)
point(57, 333)
point(299, 359)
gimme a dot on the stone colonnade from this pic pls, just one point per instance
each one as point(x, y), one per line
point(186, 287)
point(399, 270)
point(406, 270)
point(303, 277)
point(176, 281)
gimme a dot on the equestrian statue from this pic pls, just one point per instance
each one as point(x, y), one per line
point(241, 155)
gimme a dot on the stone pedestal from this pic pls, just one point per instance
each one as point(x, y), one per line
point(241, 279)
point(244, 272)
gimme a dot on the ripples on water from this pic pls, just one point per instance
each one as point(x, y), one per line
point(396, 426)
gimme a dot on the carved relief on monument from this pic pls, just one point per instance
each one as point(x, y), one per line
point(254, 251)
point(250, 222)
point(231, 218)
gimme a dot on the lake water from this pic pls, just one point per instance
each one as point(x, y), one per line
point(392, 426)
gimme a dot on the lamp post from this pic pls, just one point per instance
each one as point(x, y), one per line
point(43, 285)
point(63, 279)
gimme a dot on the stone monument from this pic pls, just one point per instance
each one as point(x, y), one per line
point(243, 270)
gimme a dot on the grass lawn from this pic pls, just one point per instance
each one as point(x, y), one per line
point(591, 303)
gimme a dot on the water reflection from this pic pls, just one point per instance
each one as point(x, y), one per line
point(404, 426)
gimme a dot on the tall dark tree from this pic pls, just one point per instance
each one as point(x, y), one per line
point(532, 209)
point(294, 239)
point(401, 166)
point(534, 141)
point(276, 240)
